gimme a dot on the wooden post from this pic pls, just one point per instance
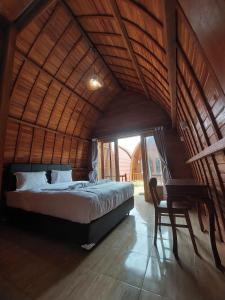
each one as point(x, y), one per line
point(145, 167)
point(102, 160)
point(5, 85)
point(117, 160)
point(110, 161)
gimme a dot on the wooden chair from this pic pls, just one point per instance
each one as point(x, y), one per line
point(161, 210)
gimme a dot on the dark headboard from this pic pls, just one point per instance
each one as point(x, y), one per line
point(9, 180)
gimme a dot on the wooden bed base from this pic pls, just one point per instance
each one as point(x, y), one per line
point(83, 234)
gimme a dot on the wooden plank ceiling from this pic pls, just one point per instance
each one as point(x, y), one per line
point(52, 114)
point(142, 21)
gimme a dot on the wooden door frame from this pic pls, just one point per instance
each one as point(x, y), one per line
point(145, 167)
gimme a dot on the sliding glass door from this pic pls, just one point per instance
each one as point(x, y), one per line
point(133, 159)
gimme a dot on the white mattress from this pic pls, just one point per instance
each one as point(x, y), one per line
point(81, 205)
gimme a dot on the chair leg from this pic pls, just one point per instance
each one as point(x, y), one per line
point(191, 232)
point(159, 221)
point(156, 227)
point(218, 226)
point(200, 217)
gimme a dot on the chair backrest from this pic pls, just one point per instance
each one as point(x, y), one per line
point(153, 191)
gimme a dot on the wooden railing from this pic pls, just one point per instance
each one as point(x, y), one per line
point(123, 177)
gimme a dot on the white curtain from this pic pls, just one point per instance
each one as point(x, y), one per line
point(159, 136)
point(93, 175)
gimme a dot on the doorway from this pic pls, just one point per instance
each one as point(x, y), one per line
point(130, 162)
point(133, 159)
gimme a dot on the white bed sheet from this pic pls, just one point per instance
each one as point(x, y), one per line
point(82, 205)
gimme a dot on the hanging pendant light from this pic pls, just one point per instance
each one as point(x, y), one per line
point(94, 82)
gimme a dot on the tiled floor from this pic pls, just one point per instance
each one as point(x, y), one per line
point(125, 265)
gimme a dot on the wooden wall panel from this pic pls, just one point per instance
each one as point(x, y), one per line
point(37, 146)
point(201, 103)
point(58, 148)
point(10, 144)
point(48, 145)
point(207, 20)
point(23, 144)
point(130, 113)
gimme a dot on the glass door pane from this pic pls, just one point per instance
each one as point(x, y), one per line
point(153, 160)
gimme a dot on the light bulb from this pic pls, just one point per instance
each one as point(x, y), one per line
point(94, 83)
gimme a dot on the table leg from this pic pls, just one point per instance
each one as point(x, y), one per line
point(210, 207)
point(172, 221)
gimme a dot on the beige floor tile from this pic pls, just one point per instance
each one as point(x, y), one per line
point(145, 295)
point(102, 287)
point(128, 241)
point(126, 266)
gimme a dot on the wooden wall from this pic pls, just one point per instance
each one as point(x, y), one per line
point(177, 155)
point(207, 20)
point(130, 113)
point(201, 102)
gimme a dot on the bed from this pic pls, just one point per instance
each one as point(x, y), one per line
point(78, 211)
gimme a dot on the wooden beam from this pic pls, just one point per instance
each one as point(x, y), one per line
point(117, 167)
point(18, 121)
point(87, 39)
point(5, 86)
point(33, 11)
point(145, 167)
point(169, 9)
point(102, 161)
point(217, 146)
point(127, 42)
point(199, 87)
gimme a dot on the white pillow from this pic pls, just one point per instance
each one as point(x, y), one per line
point(61, 176)
point(30, 180)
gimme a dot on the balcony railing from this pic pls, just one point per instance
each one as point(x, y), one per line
point(137, 177)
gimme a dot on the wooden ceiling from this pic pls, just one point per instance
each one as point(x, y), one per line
point(142, 22)
point(52, 61)
point(129, 36)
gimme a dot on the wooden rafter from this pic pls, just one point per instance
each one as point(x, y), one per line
point(86, 38)
point(129, 47)
point(21, 122)
point(170, 38)
point(34, 10)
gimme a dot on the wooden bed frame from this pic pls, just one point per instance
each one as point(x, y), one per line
point(84, 234)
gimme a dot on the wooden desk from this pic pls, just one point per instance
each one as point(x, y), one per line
point(180, 188)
